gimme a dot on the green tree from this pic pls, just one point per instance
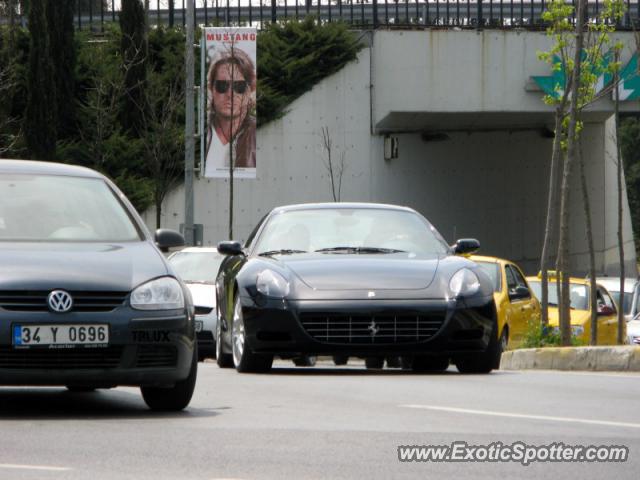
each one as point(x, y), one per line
point(162, 115)
point(582, 49)
point(630, 147)
point(100, 142)
point(133, 48)
point(63, 57)
point(6, 138)
point(294, 56)
point(14, 60)
point(93, 6)
point(40, 116)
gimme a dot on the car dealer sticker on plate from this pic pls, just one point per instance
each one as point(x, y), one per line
point(60, 336)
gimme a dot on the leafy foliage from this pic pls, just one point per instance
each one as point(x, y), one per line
point(40, 119)
point(133, 45)
point(630, 147)
point(63, 57)
point(139, 76)
point(580, 55)
point(294, 56)
point(539, 336)
point(14, 48)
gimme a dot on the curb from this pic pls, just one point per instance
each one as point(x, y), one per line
point(609, 359)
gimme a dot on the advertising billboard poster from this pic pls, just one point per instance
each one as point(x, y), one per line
point(230, 102)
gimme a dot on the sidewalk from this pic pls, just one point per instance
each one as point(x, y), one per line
point(613, 358)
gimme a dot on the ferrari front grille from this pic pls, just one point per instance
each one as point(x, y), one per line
point(338, 328)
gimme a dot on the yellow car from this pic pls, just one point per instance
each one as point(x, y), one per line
point(581, 310)
point(516, 303)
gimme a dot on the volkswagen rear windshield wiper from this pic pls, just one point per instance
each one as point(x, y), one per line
point(284, 251)
point(359, 250)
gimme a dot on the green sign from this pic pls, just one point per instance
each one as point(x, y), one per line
point(628, 88)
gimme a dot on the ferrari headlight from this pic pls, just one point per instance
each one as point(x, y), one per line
point(160, 294)
point(464, 282)
point(272, 284)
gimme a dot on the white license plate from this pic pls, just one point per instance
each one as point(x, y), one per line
point(199, 325)
point(60, 335)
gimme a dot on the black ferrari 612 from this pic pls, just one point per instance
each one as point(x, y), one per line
point(353, 279)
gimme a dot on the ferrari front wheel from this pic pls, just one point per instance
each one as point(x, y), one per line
point(244, 359)
point(482, 362)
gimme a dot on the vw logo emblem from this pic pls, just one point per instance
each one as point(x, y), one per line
point(373, 328)
point(59, 301)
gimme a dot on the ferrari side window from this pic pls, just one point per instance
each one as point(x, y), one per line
point(254, 232)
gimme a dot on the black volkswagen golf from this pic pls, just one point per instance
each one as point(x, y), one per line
point(87, 299)
point(353, 279)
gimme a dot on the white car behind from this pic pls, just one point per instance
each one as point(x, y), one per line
point(198, 268)
point(631, 290)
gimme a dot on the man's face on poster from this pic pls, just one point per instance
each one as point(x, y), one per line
point(231, 91)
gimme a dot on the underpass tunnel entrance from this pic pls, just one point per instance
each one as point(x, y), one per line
point(492, 185)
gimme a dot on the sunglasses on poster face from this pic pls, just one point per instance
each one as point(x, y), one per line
point(222, 86)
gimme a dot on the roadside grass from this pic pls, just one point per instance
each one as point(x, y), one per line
point(539, 336)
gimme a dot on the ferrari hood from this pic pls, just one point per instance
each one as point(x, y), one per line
point(399, 271)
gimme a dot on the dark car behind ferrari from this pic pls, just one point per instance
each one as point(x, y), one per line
point(87, 300)
point(363, 280)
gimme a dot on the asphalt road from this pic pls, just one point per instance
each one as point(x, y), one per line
point(322, 422)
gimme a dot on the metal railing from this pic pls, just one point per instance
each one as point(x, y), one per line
point(487, 14)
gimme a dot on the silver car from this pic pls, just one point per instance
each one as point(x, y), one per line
point(198, 268)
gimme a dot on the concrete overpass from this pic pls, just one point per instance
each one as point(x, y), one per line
point(474, 146)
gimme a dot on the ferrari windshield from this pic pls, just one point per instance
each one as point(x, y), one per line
point(349, 230)
point(56, 208)
point(493, 270)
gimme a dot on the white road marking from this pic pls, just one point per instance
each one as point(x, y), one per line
point(34, 467)
point(525, 416)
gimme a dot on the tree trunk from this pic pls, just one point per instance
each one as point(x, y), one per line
point(551, 211)
point(12, 20)
point(40, 120)
point(158, 203)
point(231, 138)
point(592, 255)
point(63, 58)
point(572, 134)
point(621, 319)
point(133, 49)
